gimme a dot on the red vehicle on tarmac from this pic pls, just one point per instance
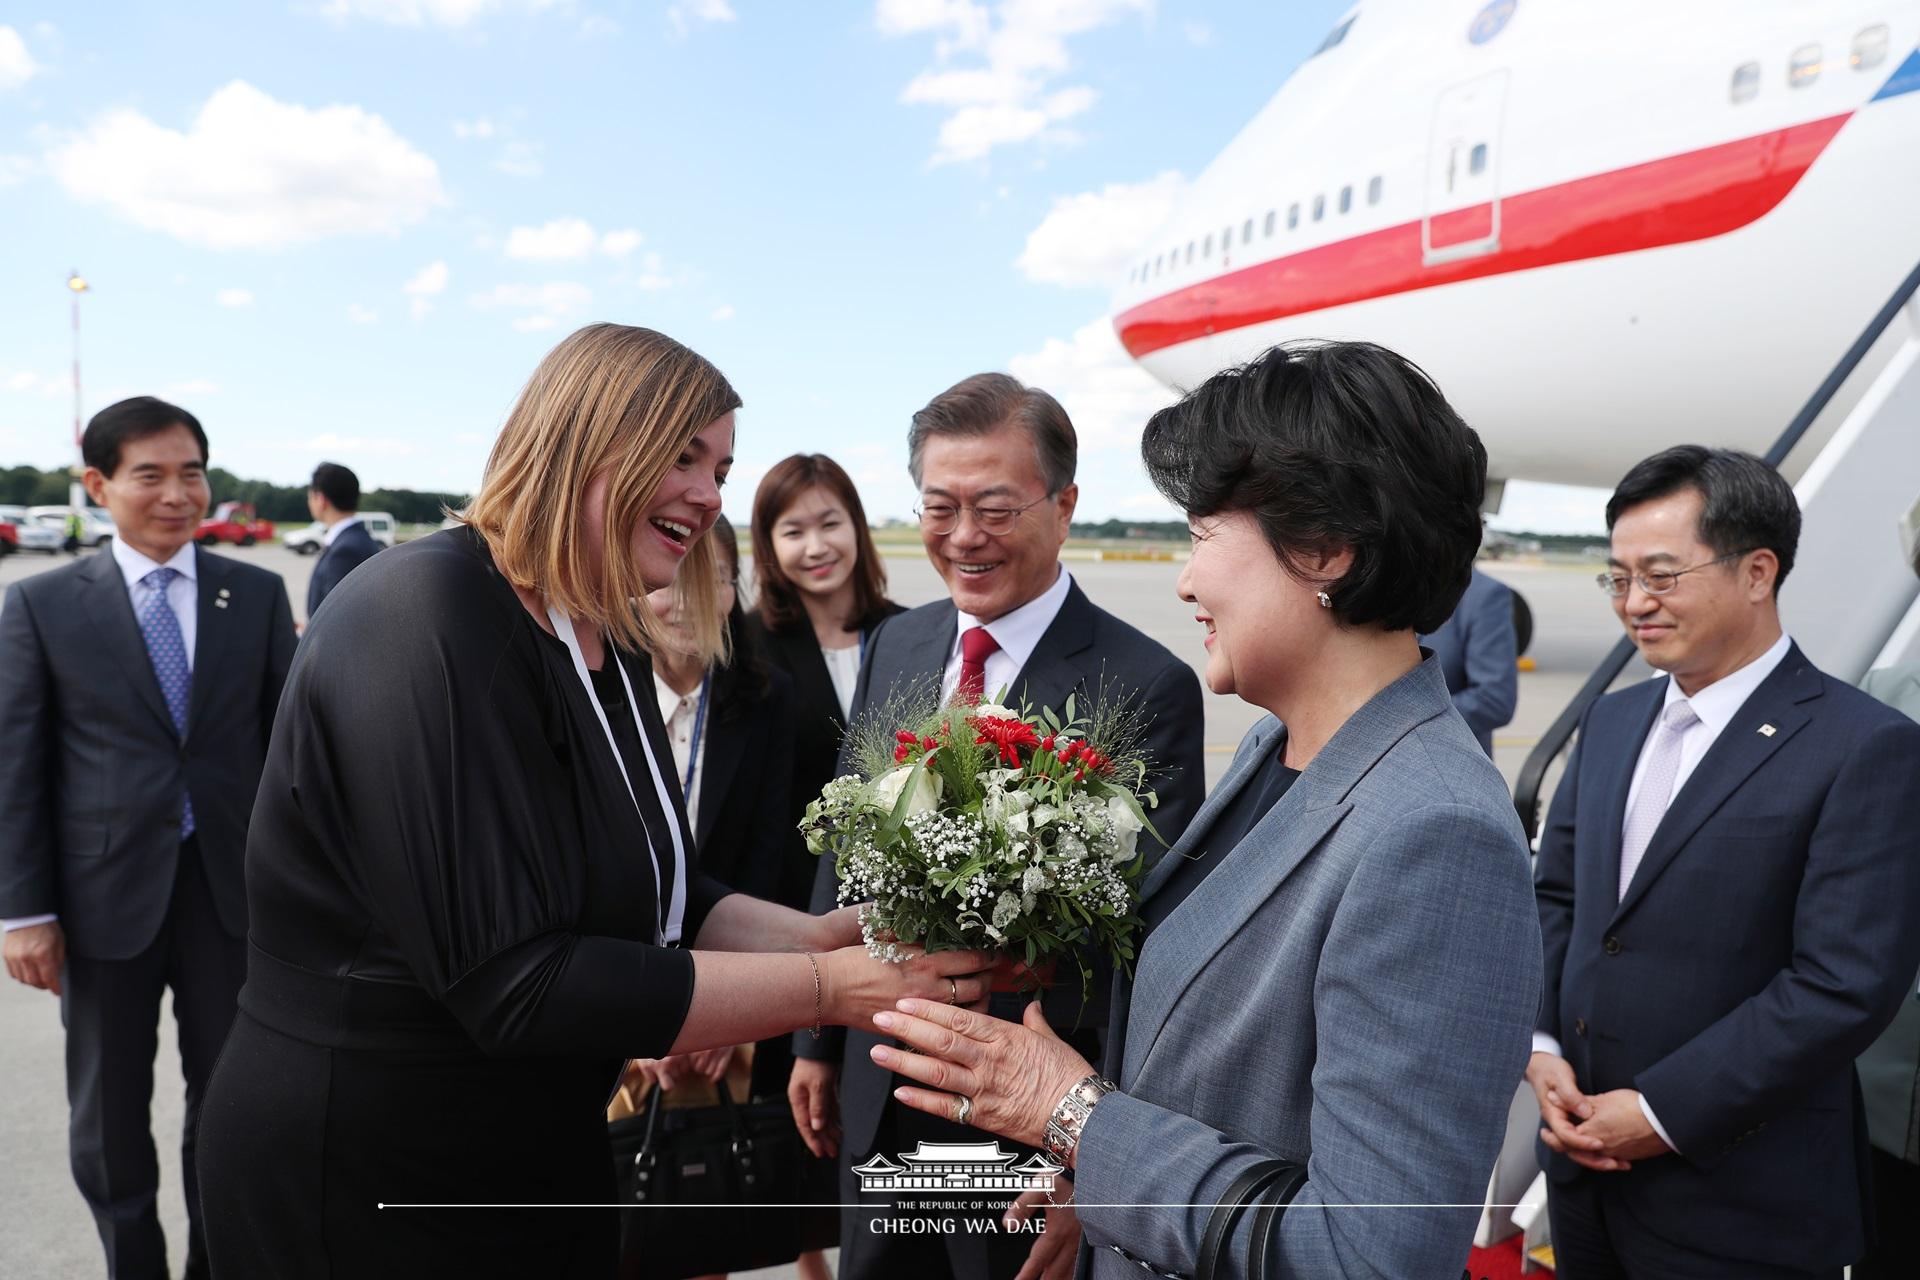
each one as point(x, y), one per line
point(234, 522)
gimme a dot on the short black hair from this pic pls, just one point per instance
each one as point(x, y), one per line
point(337, 485)
point(1332, 445)
point(1745, 504)
point(988, 401)
point(135, 419)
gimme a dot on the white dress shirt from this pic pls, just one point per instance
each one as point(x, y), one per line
point(843, 668)
point(680, 711)
point(1716, 705)
point(183, 595)
point(335, 529)
point(1017, 632)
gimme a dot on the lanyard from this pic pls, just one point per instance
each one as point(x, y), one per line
point(667, 927)
point(699, 726)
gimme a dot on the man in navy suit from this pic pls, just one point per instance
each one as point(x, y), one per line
point(334, 500)
point(1728, 888)
point(1478, 652)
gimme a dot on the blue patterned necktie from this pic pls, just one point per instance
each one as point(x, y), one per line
point(167, 650)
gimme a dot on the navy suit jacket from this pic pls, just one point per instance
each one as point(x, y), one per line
point(351, 549)
point(1477, 651)
point(1765, 940)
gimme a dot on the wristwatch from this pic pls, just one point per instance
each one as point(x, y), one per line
point(1069, 1118)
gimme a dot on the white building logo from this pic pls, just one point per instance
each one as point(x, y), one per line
point(958, 1167)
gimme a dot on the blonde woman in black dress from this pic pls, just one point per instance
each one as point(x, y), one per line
point(472, 889)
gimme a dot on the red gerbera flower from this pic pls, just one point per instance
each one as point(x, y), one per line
point(1007, 736)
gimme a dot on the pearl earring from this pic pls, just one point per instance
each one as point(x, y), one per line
point(1326, 601)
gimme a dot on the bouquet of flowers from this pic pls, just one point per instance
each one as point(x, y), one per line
point(992, 828)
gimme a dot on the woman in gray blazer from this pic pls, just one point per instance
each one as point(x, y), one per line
point(1340, 974)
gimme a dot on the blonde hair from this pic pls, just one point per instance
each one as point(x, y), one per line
point(610, 400)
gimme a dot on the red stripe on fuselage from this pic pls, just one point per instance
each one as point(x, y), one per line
point(1691, 196)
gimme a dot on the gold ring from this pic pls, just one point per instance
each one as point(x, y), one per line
point(953, 992)
point(963, 1114)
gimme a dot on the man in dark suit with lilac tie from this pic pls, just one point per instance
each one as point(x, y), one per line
point(1727, 889)
point(139, 687)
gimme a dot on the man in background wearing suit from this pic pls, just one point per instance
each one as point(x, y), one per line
point(994, 462)
point(1727, 889)
point(334, 500)
point(1478, 653)
point(124, 798)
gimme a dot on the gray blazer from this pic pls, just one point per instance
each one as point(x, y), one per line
point(1354, 986)
point(1084, 646)
point(1890, 1068)
point(93, 770)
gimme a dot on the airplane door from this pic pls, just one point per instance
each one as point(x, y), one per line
point(1462, 215)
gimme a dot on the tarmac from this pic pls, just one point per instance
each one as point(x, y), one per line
point(45, 1230)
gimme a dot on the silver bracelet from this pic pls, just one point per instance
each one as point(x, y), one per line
point(1069, 1118)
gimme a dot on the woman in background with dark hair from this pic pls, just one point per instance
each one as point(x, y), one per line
point(1336, 990)
point(821, 590)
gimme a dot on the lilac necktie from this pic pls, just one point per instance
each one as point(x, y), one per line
point(1656, 788)
point(167, 650)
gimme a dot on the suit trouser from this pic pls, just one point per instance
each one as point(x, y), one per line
point(111, 1010)
point(1597, 1237)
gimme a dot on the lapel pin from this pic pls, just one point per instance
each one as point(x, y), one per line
point(224, 593)
point(1767, 731)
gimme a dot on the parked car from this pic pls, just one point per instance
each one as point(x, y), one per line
point(234, 522)
point(306, 540)
point(9, 538)
point(29, 534)
point(96, 524)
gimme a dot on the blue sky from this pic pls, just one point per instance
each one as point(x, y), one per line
point(348, 229)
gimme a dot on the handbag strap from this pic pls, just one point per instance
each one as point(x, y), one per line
point(1226, 1214)
point(1267, 1216)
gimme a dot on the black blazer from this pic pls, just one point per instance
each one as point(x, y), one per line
point(818, 723)
point(354, 547)
point(92, 770)
point(1767, 937)
point(1084, 647)
point(745, 830)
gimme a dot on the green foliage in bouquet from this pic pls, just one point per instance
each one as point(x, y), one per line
point(992, 828)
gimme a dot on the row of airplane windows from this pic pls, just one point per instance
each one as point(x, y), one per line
point(1316, 210)
point(1809, 60)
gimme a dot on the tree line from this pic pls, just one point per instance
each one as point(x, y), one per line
point(284, 504)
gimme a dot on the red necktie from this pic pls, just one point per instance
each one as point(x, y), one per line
point(976, 643)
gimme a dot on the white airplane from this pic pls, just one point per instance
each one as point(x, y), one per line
point(1602, 228)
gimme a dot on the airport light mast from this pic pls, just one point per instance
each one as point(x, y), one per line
point(76, 492)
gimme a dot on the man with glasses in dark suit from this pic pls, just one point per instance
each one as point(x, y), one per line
point(139, 687)
point(994, 462)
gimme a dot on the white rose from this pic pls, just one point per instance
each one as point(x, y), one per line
point(1125, 825)
point(994, 711)
point(926, 784)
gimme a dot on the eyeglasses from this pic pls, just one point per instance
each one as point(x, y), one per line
point(1657, 582)
point(942, 518)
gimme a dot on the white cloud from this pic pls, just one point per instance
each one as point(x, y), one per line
point(421, 13)
point(479, 127)
point(723, 312)
point(1107, 395)
point(682, 17)
point(542, 305)
point(328, 442)
point(1088, 239)
point(427, 283)
point(653, 275)
point(15, 170)
point(1007, 97)
point(358, 314)
point(618, 244)
point(561, 240)
point(28, 383)
point(520, 159)
point(16, 64)
point(252, 172)
point(234, 298)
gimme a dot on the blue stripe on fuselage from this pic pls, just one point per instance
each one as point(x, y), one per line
point(1906, 79)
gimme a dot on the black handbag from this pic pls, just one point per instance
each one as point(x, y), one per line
point(738, 1158)
point(1274, 1183)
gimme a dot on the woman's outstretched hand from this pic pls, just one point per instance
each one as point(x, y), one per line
point(1015, 1074)
point(854, 986)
